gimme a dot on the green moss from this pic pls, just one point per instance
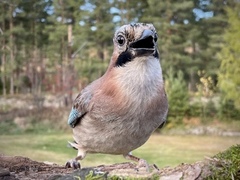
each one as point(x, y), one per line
point(95, 176)
point(228, 164)
point(153, 177)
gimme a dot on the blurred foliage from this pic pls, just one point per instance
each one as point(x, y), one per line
point(229, 72)
point(227, 110)
point(90, 69)
point(178, 97)
point(206, 87)
point(9, 127)
point(58, 47)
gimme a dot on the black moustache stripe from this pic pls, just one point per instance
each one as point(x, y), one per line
point(124, 58)
point(127, 56)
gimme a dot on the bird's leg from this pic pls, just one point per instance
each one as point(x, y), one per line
point(141, 162)
point(73, 163)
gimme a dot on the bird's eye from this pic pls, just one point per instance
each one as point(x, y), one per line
point(120, 40)
point(155, 37)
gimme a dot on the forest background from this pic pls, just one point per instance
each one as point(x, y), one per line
point(56, 47)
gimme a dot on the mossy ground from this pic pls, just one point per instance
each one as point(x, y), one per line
point(227, 164)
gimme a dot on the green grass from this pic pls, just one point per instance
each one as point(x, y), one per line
point(163, 150)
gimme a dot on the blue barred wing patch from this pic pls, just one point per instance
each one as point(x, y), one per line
point(74, 114)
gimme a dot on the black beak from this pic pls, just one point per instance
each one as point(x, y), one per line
point(145, 45)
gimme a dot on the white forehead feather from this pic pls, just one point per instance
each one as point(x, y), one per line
point(134, 31)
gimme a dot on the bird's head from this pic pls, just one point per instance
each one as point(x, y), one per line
point(134, 40)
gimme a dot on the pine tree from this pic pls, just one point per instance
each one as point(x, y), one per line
point(229, 72)
point(127, 12)
point(173, 21)
point(178, 97)
point(10, 31)
point(63, 45)
point(32, 41)
point(189, 35)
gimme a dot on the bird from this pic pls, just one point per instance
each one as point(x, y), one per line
point(118, 112)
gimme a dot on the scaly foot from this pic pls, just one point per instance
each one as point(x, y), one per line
point(73, 163)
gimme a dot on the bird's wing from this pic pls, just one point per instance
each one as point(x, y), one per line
point(80, 107)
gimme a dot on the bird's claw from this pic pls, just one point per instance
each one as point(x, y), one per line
point(73, 163)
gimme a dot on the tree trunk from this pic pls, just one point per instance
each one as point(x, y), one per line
point(11, 50)
point(3, 77)
point(192, 80)
point(3, 57)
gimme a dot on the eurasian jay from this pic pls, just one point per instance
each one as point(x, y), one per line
point(118, 112)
